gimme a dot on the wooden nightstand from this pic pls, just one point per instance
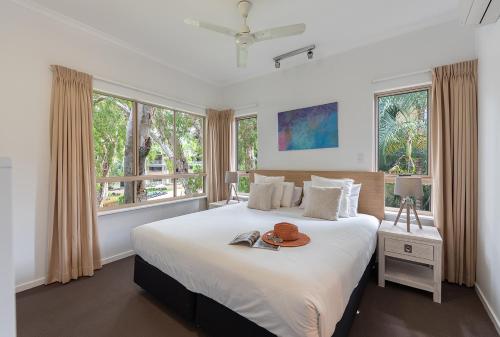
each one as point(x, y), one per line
point(412, 259)
point(221, 203)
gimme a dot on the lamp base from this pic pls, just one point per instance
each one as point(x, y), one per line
point(408, 203)
point(229, 193)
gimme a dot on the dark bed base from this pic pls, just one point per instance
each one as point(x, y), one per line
point(214, 318)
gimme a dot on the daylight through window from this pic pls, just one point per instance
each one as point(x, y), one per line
point(145, 153)
point(403, 140)
point(246, 149)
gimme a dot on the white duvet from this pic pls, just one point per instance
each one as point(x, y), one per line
point(300, 291)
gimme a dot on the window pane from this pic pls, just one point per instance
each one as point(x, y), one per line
point(189, 186)
point(247, 143)
point(189, 140)
point(159, 189)
point(114, 194)
point(155, 139)
point(403, 133)
point(244, 184)
point(113, 136)
point(392, 200)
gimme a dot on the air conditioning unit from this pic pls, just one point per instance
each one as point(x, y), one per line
point(480, 12)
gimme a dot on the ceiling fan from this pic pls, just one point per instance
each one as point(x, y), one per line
point(244, 38)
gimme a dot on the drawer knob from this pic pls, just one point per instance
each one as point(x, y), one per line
point(408, 248)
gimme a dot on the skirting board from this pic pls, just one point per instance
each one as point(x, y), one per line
point(41, 281)
point(486, 304)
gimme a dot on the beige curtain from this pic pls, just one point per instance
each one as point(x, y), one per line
point(454, 167)
point(73, 242)
point(220, 134)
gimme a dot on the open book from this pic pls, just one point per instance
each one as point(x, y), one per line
point(253, 240)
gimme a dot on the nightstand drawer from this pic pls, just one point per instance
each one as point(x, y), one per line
point(409, 248)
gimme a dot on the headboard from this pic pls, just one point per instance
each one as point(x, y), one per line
point(371, 198)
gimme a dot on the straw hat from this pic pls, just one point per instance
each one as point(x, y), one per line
point(286, 235)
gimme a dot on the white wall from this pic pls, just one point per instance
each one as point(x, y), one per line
point(347, 79)
point(488, 254)
point(7, 304)
point(30, 42)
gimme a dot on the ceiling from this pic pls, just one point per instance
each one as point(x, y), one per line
point(156, 28)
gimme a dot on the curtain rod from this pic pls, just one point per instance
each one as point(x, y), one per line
point(384, 79)
point(152, 93)
point(147, 92)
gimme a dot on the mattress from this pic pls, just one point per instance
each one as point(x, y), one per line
point(299, 291)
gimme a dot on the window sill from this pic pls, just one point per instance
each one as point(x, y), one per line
point(134, 208)
point(425, 220)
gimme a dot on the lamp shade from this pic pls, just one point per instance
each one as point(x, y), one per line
point(408, 187)
point(231, 177)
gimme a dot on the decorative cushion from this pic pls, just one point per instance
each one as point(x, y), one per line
point(286, 198)
point(307, 184)
point(354, 199)
point(277, 182)
point(344, 184)
point(297, 196)
point(323, 202)
point(260, 196)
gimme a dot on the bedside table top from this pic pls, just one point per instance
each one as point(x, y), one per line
point(427, 233)
point(223, 203)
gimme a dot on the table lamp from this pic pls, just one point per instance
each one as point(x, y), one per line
point(231, 178)
point(408, 187)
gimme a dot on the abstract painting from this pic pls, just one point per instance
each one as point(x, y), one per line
point(308, 128)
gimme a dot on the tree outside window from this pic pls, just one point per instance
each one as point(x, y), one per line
point(246, 149)
point(403, 140)
point(145, 153)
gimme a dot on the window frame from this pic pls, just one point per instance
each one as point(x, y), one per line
point(391, 178)
point(241, 173)
point(136, 177)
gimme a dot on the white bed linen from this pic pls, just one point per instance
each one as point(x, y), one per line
point(301, 291)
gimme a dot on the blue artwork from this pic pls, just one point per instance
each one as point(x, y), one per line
point(309, 128)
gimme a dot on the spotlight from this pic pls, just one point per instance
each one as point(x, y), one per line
point(277, 64)
point(310, 54)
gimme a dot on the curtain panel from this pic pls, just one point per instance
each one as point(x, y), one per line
point(454, 128)
point(220, 138)
point(73, 242)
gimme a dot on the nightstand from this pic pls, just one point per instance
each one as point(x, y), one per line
point(412, 259)
point(221, 203)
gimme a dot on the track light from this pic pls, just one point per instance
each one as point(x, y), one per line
point(308, 50)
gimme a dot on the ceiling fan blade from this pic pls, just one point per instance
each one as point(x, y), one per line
point(274, 33)
point(241, 56)
point(210, 26)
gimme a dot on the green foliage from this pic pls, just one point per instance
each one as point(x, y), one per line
point(110, 119)
point(244, 185)
point(402, 133)
point(247, 145)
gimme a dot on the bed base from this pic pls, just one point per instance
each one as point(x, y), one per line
point(214, 318)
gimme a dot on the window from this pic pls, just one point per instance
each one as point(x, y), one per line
point(145, 153)
point(403, 140)
point(246, 150)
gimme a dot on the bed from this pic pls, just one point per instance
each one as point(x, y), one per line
point(228, 290)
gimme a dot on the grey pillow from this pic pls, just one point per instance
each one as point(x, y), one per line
point(323, 202)
point(260, 196)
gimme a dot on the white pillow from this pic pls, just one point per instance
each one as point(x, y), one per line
point(307, 184)
point(260, 196)
point(297, 196)
point(286, 198)
point(259, 178)
point(354, 199)
point(344, 184)
point(324, 203)
point(277, 182)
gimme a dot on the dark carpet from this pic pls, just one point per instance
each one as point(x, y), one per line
point(110, 304)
